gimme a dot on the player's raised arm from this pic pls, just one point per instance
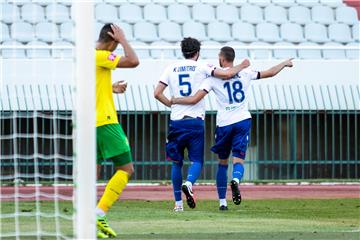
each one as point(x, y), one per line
point(276, 69)
point(130, 59)
point(229, 73)
point(159, 94)
point(190, 100)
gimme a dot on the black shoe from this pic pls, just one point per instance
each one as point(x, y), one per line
point(189, 196)
point(236, 196)
point(223, 208)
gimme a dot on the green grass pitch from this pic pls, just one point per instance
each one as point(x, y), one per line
point(253, 219)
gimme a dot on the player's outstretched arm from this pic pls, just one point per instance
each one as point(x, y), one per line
point(276, 69)
point(229, 73)
point(190, 100)
point(130, 59)
point(159, 94)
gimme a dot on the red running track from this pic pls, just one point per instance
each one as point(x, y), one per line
point(156, 193)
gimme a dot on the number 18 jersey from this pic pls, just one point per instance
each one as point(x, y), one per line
point(231, 96)
point(184, 79)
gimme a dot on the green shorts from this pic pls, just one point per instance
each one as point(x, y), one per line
point(112, 144)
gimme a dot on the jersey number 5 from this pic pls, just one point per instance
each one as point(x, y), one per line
point(234, 92)
point(182, 82)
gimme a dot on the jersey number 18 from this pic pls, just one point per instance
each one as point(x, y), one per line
point(233, 92)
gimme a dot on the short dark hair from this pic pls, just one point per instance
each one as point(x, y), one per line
point(104, 36)
point(189, 47)
point(228, 53)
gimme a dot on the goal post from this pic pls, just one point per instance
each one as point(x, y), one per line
point(85, 144)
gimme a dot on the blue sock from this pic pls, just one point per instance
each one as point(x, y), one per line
point(238, 171)
point(221, 180)
point(176, 179)
point(194, 172)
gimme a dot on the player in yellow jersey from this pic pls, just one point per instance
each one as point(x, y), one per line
point(111, 141)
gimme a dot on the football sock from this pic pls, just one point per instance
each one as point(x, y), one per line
point(221, 180)
point(194, 172)
point(113, 190)
point(176, 179)
point(223, 202)
point(238, 172)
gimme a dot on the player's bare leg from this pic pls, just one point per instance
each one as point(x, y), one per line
point(221, 183)
point(237, 176)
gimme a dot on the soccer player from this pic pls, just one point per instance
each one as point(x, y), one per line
point(111, 141)
point(186, 129)
point(233, 119)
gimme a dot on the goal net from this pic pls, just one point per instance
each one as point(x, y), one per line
point(47, 119)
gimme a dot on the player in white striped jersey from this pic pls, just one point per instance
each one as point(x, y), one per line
point(186, 129)
point(233, 119)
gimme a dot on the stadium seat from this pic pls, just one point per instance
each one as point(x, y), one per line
point(227, 13)
point(244, 32)
point(309, 53)
point(237, 3)
point(57, 13)
point(12, 53)
point(154, 13)
point(308, 3)
point(97, 30)
point(162, 54)
point(62, 53)
point(145, 32)
point(275, 14)
point(267, 32)
point(5, 35)
point(260, 3)
point(178, 13)
point(284, 3)
point(188, 2)
point(37, 53)
point(240, 54)
point(178, 53)
point(209, 53)
point(219, 31)
point(43, 2)
point(22, 32)
point(316, 33)
point(140, 2)
point(260, 53)
point(339, 32)
point(299, 15)
point(292, 32)
point(141, 53)
point(67, 31)
point(284, 53)
point(355, 32)
point(32, 13)
point(130, 13)
point(9, 13)
point(212, 2)
point(116, 2)
point(46, 32)
point(333, 54)
point(164, 2)
point(353, 54)
point(194, 29)
point(170, 31)
point(347, 15)
point(322, 14)
point(251, 14)
point(332, 3)
point(106, 13)
point(203, 13)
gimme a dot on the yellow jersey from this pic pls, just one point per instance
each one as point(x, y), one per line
point(106, 61)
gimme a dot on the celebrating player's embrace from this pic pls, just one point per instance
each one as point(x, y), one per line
point(189, 82)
